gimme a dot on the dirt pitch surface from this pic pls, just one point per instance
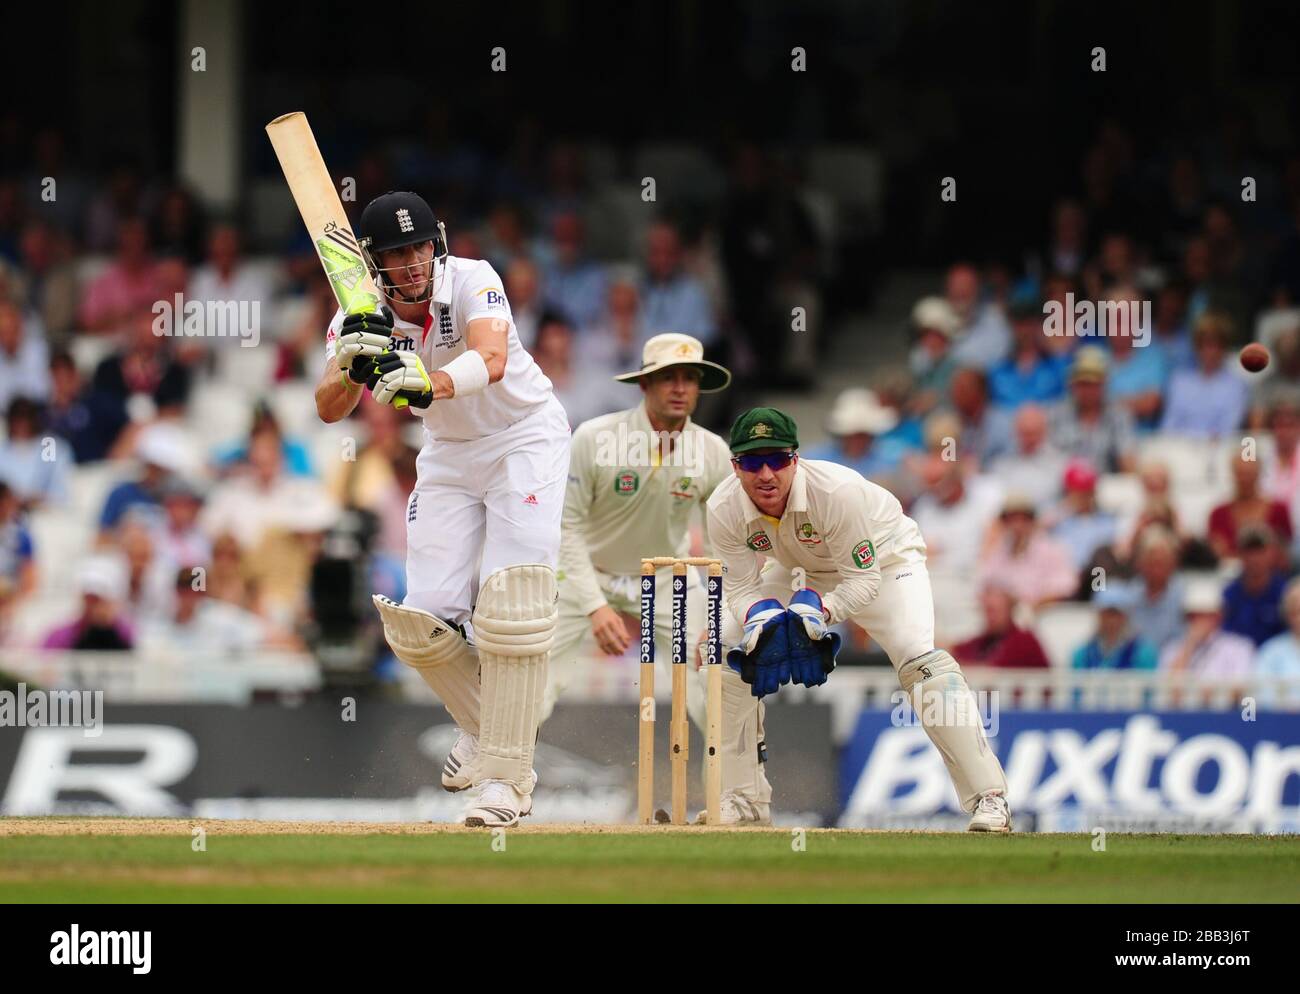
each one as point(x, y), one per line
point(186, 826)
point(112, 860)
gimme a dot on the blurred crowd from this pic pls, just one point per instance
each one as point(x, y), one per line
point(171, 491)
point(1133, 492)
point(1117, 500)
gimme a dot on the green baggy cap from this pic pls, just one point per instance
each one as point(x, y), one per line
point(763, 428)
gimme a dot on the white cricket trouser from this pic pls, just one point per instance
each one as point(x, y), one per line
point(901, 620)
point(484, 504)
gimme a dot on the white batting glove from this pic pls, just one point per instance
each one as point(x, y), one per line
point(401, 373)
point(363, 344)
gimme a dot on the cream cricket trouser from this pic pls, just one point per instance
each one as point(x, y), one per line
point(742, 718)
point(742, 714)
point(481, 505)
point(901, 620)
point(623, 594)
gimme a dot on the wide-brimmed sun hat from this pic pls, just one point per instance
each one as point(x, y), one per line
point(673, 349)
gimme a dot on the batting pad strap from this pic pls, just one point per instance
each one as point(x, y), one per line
point(469, 374)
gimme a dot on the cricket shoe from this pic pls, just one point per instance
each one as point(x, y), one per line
point(733, 809)
point(499, 805)
point(458, 770)
point(991, 814)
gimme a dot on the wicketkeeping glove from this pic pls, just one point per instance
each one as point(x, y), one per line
point(362, 339)
point(762, 658)
point(812, 645)
point(402, 375)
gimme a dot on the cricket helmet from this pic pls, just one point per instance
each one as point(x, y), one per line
point(391, 221)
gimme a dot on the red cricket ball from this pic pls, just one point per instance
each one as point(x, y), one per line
point(1254, 357)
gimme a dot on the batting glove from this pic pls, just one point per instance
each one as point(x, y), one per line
point(402, 375)
point(362, 339)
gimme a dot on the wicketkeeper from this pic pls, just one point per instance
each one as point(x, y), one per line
point(838, 548)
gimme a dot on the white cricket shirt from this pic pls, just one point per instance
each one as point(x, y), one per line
point(468, 289)
point(839, 527)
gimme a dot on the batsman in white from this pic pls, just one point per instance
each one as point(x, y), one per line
point(634, 479)
point(483, 522)
point(839, 548)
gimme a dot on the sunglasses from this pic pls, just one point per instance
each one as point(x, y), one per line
point(753, 463)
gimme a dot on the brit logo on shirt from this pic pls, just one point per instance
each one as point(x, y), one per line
point(412, 507)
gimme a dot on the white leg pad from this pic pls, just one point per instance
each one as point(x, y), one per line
point(742, 736)
point(953, 724)
point(514, 626)
point(439, 654)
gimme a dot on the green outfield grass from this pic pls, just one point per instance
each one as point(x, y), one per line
point(656, 865)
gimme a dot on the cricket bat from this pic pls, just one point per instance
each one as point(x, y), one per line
point(322, 212)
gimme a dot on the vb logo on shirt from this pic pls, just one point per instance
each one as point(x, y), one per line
point(864, 554)
point(759, 542)
point(626, 482)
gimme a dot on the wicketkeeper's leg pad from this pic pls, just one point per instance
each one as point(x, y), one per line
point(939, 694)
point(514, 628)
point(439, 653)
point(743, 748)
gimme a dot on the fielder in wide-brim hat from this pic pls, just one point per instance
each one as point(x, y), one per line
point(673, 349)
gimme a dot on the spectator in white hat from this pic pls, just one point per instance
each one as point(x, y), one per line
point(1205, 649)
point(161, 450)
point(101, 581)
point(856, 420)
point(932, 362)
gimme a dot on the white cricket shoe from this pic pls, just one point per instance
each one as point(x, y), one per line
point(458, 770)
point(733, 809)
point(498, 805)
point(991, 814)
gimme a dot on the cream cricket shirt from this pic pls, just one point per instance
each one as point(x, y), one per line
point(840, 528)
point(624, 503)
point(468, 289)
